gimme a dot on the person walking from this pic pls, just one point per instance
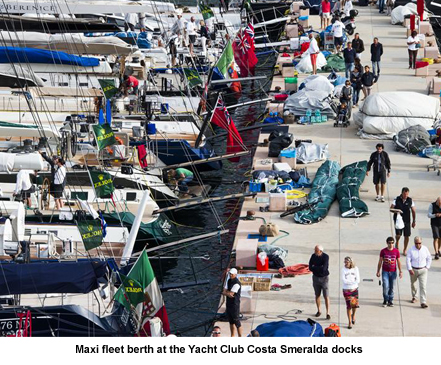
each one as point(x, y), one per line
point(405, 205)
point(390, 5)
point(232, 292)
point(356, 85)
point(350, 277)
point(325, 13)
point(380, 160)
point(418, 263)
point(337, 31)
point(413, 43)
point(358, 45)
point(313, 51)
point(376, 53)
point(434, 213)
point(318, 265)
point(388, 263)
point(381, 6)
point(349, 56)
point(368, 79)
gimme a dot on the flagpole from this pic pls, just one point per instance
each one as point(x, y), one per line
point(207, 120)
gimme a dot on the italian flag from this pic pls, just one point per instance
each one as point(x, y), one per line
point(140, 292)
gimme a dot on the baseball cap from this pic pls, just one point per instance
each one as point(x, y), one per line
point(233, 271)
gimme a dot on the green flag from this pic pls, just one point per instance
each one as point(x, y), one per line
point(226, 60)
point(192, 77)
point(132, 292)
point(102, 183)
point(91, 233)
point(104, 135)
point(205, 10)
point(108, 87)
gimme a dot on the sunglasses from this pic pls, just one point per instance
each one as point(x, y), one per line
point(390, 243)
point(216, 333)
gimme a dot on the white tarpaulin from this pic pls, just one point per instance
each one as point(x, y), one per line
point(398, 14)
point(311, 152)
point(391, 112)
point(305, 65)
point(304, 100)
point(318, 83)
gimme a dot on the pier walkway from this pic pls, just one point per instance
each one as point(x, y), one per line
point(363, 238)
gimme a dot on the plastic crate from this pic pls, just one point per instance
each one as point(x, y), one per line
point(255, 187)
point(262, 284)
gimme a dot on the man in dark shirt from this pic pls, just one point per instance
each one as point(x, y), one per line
point(405, 204)
point(380, 160)
point(349, 56)
point(376, 53)
point(318, 265)
point(232, 291)
point(358, 45)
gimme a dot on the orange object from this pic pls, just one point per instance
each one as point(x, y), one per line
point(259, 265)
point(332, 331)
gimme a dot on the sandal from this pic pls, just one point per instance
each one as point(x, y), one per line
point(318, 314)
point(349, 327)
point(286, 286)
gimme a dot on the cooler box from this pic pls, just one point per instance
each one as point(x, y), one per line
point(260, 267)
point(277, 202)
point(290, 83)
point(291, 161)
point(246, 251)
point(304, 21)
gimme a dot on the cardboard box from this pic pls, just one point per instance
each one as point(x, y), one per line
point(246, 253)
point(423, 71)
point(288, 71)
point(425, 27)
point(436, 85)
point(291, 161)
point(292, 30)
point(431, 52)
point(277, 202)
point(304, 12)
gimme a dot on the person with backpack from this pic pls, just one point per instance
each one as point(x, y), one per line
point(382, 166)
point(350, 277)
point(388, 263)
point(404, 205)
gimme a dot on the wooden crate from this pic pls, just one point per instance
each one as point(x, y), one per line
point(246, 280)
point(262, 284)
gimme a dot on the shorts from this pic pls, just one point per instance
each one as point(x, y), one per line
point(406, 230)
point(338, 41)
point(233, 317)
point(380, 177)
point(436, 232)
point(27, 193)
point(57, 191)
point(313, 58)
point(326, 15)
point(320, 284)
point(192, 38)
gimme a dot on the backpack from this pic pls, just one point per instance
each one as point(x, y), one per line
point(332, 331)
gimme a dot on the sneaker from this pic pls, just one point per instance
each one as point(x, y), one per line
point(378, 198)
point(384, 304)
point(424, 305)
point(436, 256)
point(382, 199)
point(390, 304)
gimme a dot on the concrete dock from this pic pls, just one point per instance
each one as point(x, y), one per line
point(361, 238)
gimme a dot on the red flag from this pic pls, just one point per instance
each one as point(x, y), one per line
point(222, 119)
point(244, 51)
point(420, 8)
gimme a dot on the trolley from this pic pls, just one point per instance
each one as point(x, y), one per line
point(436, 158)
point(328, 41)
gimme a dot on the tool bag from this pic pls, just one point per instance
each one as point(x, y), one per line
point(269, 230)
point(332, 331)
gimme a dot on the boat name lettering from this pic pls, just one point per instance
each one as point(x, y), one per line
point(166, 227)
point(4, 8)
point(91, 234)
point(102, 183)
point(105, 136)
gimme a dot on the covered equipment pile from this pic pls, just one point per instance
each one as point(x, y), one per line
point(323, 192)
point(348, 190)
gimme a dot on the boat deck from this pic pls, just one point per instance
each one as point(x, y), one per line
point(361, 238)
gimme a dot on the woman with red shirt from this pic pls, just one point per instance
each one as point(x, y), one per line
point(325, 12)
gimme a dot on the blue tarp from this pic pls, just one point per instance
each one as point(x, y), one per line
point(33, 55)
point(290, 329)
point(51, 277)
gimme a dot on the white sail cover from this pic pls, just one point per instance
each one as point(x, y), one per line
point(391, 112)
point(69, 43)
